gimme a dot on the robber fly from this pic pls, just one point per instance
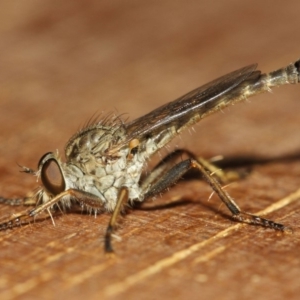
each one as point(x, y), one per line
point(105, 160)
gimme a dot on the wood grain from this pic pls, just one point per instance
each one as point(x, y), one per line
point(63, 62)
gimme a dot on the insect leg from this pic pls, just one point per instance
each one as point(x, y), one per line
point(19, 201)
point(167, 162)
point(175, 173)
point(19, 218)
point(122, 198)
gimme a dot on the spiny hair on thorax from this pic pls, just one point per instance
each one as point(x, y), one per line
point(105, 130)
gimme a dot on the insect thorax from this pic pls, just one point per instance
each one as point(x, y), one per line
point(90, 168)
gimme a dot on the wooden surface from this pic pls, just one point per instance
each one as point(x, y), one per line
point(63, 61)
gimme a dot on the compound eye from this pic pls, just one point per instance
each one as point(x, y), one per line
point(52, 177)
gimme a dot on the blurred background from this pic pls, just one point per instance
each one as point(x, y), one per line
point(61, 62)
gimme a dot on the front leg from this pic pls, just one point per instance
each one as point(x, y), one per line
point(27, 215)
point(84, 198)
point(26, 201)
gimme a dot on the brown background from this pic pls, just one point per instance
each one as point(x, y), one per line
point(62, 61)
